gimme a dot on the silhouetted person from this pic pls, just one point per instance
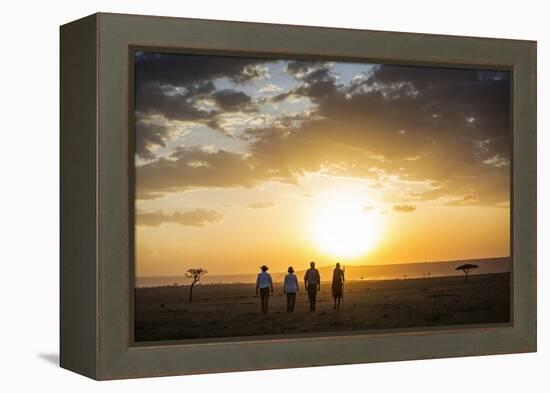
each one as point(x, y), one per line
point(264, 283)
point(290, 288)
point(312, 281)
point(337, 285)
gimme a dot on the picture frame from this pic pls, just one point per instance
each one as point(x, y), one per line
point(96, 261)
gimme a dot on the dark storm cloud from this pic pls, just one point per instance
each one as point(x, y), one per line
point(193, 167)
point(452, 129)
point(233, 101)
point(192, 71)
point(149, 135)
point(298, 68)
point(170, 85)
point(430, 103)
point(195, 218)
point(153, 100)
point(317, 80)
point(447, 127)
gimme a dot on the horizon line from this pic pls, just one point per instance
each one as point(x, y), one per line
point(379, 264)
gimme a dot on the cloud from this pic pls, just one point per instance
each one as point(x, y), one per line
point(153, 132)
point(217, 168)
point(195, 218)
point(270, 88)
point(175, 87)
point(366, 119)
point(233, 100)
point(317, 80)
point(149, 135)
point(194, 71)
point(404, 208)
point(443, 126)
point(153, 100)
point(468, 199)
point(251, 72)
point(496, 161)
point(261, 205)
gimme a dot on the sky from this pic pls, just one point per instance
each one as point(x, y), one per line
point(243, 161)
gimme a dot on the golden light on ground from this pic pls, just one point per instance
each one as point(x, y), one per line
point(343, 227)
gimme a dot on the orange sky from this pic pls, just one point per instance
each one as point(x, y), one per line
point(243, 162)
point(280, 234)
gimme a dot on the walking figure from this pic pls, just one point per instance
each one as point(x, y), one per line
point(264, 284)
point(337, 285)
point(290, 288)
point(312, 281)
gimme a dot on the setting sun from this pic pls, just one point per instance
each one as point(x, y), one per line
point(343, 227)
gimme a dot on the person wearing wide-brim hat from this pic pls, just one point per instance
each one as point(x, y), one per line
point(263, 284)
point(290, 288)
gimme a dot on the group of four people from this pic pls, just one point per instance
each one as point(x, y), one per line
point(312, 283)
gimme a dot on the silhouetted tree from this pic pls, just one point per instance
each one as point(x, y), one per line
point(195, 275)
point(467, 268)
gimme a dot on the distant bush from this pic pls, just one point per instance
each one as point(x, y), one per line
point(467, 268)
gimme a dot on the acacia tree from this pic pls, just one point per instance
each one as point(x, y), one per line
point(467, 268)
point(195, 275)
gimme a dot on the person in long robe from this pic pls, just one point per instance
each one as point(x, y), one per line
point(338, 280)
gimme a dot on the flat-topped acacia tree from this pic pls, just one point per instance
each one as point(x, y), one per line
point(466, 268)
point(195, 275)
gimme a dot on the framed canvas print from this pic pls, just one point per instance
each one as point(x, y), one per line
point(240, 196)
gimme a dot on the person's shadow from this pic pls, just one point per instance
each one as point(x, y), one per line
point(52, 358)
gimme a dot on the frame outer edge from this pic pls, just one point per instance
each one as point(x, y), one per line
point(116, 356)
point(526, 177)
point(78, 203)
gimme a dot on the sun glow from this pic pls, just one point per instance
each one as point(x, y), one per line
point(344, 227)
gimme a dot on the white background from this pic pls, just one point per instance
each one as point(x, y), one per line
point(29, 194)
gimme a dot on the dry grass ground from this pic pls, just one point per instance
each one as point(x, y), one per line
point(229, 310)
